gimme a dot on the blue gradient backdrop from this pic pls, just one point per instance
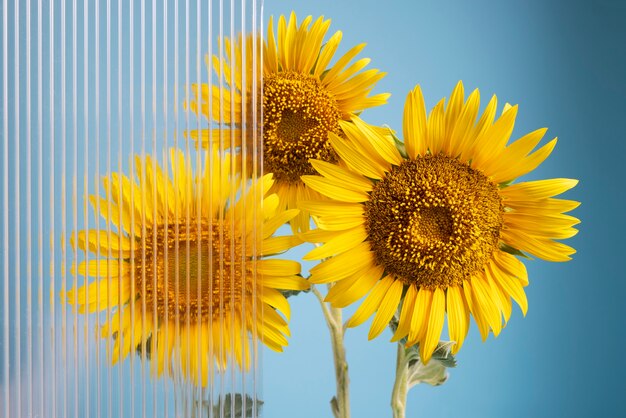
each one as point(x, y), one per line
point(564, 63)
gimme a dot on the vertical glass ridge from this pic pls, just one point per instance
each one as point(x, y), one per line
point(128, 278)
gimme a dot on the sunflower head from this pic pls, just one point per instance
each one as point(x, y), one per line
point(435, 227)
point(305, 95)
point(181, 268)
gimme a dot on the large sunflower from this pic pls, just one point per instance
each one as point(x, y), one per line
point(303, 98)
point(436, 227)
point(181, 272)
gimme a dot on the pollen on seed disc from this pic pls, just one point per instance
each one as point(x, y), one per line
point(434, 221)
point(298, 115)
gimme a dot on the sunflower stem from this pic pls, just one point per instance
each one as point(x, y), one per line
point(340, 404)
point(400, 385)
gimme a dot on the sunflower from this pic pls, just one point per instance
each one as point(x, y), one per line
point(304, 97)
point(182, 272)
point(436, 226)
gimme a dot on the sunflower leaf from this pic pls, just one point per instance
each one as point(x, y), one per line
point(140, 348)
point(334, 406)
point(434, 373)
point(243, 407)
point(289, 293)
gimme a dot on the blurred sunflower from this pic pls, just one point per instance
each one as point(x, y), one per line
point(182, 274)
point(434, 226)
point(303, 96)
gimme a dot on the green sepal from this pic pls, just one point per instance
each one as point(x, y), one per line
point(513, 251)
point(398, 143)
point(434, 373)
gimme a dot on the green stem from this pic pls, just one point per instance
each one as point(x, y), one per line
point(400, 386)
point(340, 404)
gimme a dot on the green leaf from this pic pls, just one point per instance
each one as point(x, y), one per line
point(433, 373)
point(139, 349)
point(289, 293)
point(225, 406)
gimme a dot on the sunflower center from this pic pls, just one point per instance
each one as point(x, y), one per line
point(298, 114)
point(190, 270)
point(434, 221)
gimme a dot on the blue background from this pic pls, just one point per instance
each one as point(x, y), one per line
point(564, 63)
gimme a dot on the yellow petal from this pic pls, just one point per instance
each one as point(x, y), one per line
point(340, 243)
point(327, 209)
point(458, 316)
point(338, 223)
point(276, 299)
point(543, 206)
point(291, 282)
point(276, 245)
point(101, 268)
point(419, 320)
point(327, 53)
point(371, 303)
point(519, 167)
point(98, 242)
point(545, 249)
point(383, 146)
point(475, 309)
point(435, 325)
point(351, 289)
point(512, 266)
point(436, 128)
point(539, 189)
point(328, 188)
point(342, 265)
point(503, 299)
point(461, 136)
point(387, 308)
point(357, 161)
point(490, 145)
point(316, 236)
point(271, 225)
point(341, 63)
point(485, 302)
point(511, 286)
point(270, 57)
point(404, 322)
point(343, 79)
point(342, 177)
point(455, 105)
point(276, 267)
point(99, 295)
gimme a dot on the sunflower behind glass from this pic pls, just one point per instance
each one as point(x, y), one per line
point(180, 274)
point(304, 99)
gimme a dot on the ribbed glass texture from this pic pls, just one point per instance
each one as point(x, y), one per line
point(126, 287)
